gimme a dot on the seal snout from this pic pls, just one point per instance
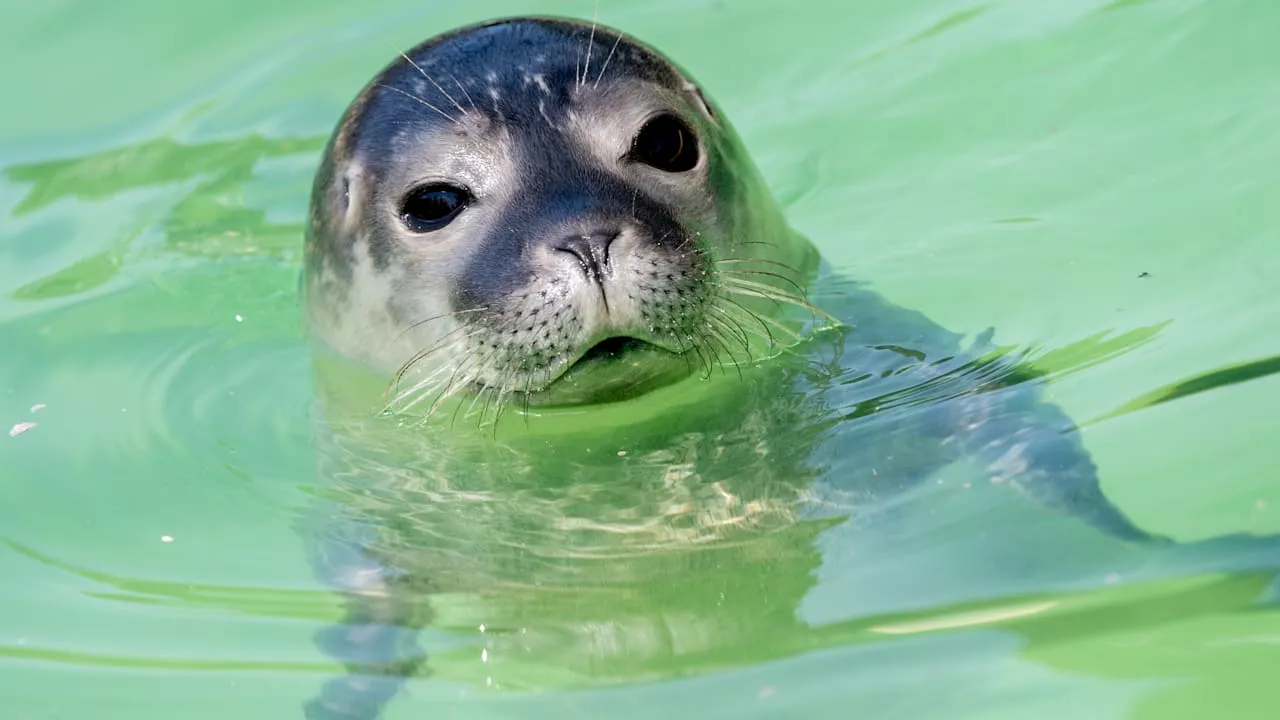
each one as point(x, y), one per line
point(591, 251)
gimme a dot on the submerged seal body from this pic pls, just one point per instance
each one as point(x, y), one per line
point(522, 208)
point(537, 211)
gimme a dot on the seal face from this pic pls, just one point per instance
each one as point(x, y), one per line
point(541, 208)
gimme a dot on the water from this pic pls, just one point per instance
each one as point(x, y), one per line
point(1092, 179)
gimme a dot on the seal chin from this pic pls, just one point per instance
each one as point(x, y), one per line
point(615, 369)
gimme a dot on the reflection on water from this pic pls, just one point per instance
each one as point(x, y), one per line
point(810, 504)
point(211, 220)
point(569, 553)
point(1203, 382)
point(810, 534)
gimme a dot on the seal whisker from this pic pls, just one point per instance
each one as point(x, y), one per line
point(465, 94)
point(690, 355)
point(727, 336)
point(428, 386)
point(760, 260)
point(607, 59)
point(524, 398)
point(425, 382)
point(421, 382)
point(765, 273)
point(441, 316)
point(792, 334)
point(591, 39)
point(443, 342)
point(739, 308)
point(749, 292)
point(703, 361)
point(416, 397)
point(511, 389)
point(717, 344)
point(494, 394)
point(789, 335)
point(712, 355)
point(415, 98)
point(766, 243)
point(727, 321)
point(483, 392)
point(720, 336)
point(453, 419)
point(454, 386)
point(751, 287)
point(687, 242)
point(474, 363)
point(501, 404)
point(457, 381)
point(433, 82)
point(490, 393)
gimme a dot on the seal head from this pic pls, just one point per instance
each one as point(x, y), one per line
point(544, 209)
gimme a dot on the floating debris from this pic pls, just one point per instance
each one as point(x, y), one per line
point(20, 428)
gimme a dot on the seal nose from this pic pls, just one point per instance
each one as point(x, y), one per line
point(591, 251)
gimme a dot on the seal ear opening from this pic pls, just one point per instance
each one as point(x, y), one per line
point(347, 194)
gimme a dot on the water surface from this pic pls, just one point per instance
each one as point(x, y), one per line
point(1092, 179)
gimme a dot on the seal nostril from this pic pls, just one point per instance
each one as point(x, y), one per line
point(591, 250)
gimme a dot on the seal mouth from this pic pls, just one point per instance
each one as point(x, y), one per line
point(614, 348)
point(616, 368)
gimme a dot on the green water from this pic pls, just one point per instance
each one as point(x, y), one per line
point(1095, 180)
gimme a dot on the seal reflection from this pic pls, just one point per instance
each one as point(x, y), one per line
point(680, 530)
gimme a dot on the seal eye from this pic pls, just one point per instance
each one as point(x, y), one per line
point(431, 207)
point(667, 144)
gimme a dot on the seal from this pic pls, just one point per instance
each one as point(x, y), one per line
point(543, 212)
